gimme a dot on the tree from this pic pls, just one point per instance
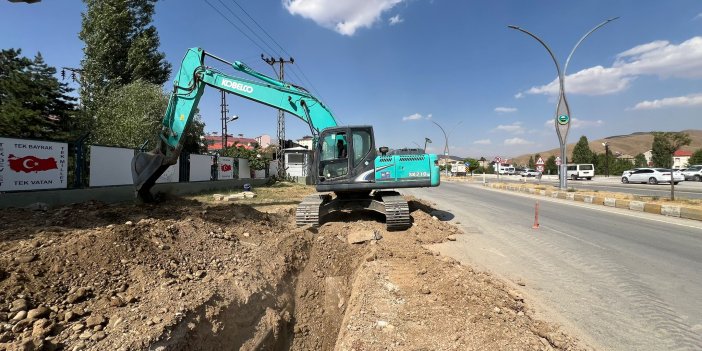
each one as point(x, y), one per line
point(582, 152)
point(472, 164)
point(640, 160)
point(665, 144)
point(530, 163)
point(130, 115)
point(120, 47)
point(696, 158)
point(258, 158)
point(33, 103)
point(550, 167)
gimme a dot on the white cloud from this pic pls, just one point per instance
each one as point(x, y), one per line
point(590, 81)
point(505, 109)
point(415, 117)
point(514, 128)
point(659, 58)
point(483, 142)
point(395, 20)
point(342, 16)
point(689, 100)
point(517, 141)
point(699, 16)
point(518, 95)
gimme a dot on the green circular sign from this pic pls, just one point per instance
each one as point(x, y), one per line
point(563, 119)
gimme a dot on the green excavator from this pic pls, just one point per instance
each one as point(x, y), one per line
point(346, 161)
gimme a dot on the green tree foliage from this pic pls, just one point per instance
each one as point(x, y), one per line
point(696, 158)
point(130, 115)
point(640, 160)
point(582, 152)
point(121, 46)
point(33, 103)
point(258, 158)
point(531, 163)
point(472, 164)
point(665, 144)
point(550, 167)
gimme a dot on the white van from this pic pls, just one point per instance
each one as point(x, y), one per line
point(581, 170)
point(508, 170)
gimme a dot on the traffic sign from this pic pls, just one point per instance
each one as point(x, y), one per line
point(540, 168)
point(498, 159)
point(563, 119)
point(540, 161)
point(558, 161)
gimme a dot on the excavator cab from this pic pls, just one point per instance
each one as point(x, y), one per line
point(343, 154)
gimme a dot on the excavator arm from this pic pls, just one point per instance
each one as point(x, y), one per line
point(189, 85)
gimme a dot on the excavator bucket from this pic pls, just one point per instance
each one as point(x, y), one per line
point(146, 168)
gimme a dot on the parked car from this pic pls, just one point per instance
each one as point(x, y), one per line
point(693, 173)
point(652, 176)
point(581, 170)
point(630, 171)
point(528, 172)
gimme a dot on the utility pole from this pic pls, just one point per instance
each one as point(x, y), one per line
point(281, 115)
point(225, 111)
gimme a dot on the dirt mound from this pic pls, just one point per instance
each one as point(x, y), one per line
point(189, 274)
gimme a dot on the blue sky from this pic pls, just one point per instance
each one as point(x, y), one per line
point(398, 65)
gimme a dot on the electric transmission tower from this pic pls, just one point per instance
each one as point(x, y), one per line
point(281, 115)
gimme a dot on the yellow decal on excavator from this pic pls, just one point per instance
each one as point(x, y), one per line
point(182, 117)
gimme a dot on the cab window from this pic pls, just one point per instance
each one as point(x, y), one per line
point(333, 155)
point(361, 145)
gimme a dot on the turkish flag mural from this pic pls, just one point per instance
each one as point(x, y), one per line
point(225, 168)
point(32, 165)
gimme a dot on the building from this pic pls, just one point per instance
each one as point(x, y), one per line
point(214, 142)
point(442, 159)
point(681, 158)
point(305, 141)
point(264, 140)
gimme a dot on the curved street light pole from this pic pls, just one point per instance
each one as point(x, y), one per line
point(562, 120)
point(446, 147)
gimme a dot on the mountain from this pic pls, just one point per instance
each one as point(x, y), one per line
point(632, 144)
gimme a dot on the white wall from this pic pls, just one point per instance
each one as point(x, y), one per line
point(110, 166)
point(244, 169)
point(171, 175)
point(200, 168)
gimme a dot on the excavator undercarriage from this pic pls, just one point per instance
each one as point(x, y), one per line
point(389, 203)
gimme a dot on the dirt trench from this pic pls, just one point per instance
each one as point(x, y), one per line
point(192, 274)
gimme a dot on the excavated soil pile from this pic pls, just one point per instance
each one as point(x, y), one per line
point(189, 274)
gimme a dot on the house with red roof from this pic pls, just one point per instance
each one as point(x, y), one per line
point(681, 158)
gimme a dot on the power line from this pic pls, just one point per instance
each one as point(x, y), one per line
point(235, 26)
point(307, 80)
point(249, 28)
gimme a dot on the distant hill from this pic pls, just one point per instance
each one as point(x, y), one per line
point(632, 144)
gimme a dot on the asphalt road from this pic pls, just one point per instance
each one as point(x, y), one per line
point(621, 280)
point(687, 189)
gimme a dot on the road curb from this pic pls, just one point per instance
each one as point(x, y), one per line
point(632, 205)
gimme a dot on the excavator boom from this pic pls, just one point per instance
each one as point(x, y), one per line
point(188, 87)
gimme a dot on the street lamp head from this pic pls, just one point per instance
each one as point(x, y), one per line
point(233, 118)
point(604, 144)
point(512, 26)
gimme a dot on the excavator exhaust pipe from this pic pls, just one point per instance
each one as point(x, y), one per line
point(147, 167)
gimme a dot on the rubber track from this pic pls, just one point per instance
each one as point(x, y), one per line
point(307, 211)
point(396, 211)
